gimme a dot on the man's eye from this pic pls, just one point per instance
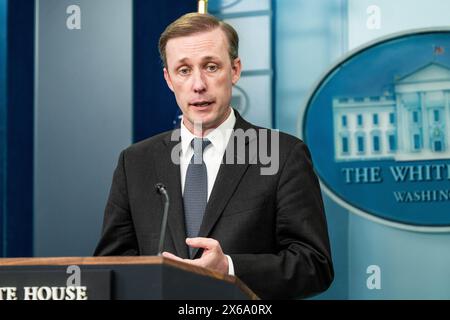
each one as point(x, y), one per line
point(211, 67)
point(183, 71)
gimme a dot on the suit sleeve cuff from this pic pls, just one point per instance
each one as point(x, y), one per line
point(230, 266)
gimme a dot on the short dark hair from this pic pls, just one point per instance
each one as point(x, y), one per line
point(192, 23)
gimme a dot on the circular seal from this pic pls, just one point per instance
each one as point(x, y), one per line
point(378, 127)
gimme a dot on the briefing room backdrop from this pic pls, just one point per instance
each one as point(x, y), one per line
point(80, 80)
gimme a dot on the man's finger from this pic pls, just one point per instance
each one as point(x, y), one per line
point(206, 243)
point(176, 258)
point(171, 256)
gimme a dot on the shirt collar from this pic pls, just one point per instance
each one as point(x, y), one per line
point(219, 136)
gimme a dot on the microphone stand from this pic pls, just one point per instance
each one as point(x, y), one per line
point(161, 189)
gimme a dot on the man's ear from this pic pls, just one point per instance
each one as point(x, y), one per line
point(236, 68)
point(168, 80)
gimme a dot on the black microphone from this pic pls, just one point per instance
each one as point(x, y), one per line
point(161, 189)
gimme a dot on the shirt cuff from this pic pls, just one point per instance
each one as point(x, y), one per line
point(230, 266)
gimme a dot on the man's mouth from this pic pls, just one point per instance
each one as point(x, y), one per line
point(202, 103)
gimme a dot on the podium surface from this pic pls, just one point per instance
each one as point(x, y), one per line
point(142, 277)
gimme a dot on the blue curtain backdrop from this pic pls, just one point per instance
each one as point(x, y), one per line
point(3, 31)
point(154, 106)
point(17, 142)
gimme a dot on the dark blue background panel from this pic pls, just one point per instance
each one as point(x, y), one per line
point(18, 192)
point(3, 25)
point(155, 107)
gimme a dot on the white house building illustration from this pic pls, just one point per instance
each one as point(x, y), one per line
point(410, 122)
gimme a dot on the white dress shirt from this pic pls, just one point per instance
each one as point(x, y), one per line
point(212, 156)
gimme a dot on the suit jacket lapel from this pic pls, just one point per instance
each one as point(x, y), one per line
point(169, 174)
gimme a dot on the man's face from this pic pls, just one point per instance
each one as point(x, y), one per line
point(201, 75)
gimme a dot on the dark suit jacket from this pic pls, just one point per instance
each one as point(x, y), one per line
point(272, 226)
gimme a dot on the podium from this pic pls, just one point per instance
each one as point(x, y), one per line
point(116, 278)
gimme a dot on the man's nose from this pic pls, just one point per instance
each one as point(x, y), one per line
point(199, 82)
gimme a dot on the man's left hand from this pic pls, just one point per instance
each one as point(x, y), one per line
point(212, 257)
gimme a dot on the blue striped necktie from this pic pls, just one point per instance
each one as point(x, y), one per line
point(195, 194)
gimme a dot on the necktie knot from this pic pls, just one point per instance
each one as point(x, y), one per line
point(199, 145)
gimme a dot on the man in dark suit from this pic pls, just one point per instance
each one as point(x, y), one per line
point(229, 210)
